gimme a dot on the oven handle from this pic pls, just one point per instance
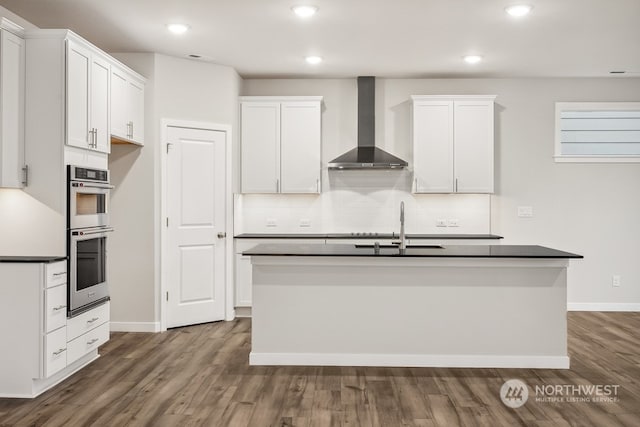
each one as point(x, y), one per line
point(101, 231)
point(104, 186)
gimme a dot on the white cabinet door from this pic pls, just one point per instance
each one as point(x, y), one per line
point(433, 146)
point(12, 57)
point(99, 103)
point(136, 111)
point(260, 147)
point(473, 148)
point(78, 76)
point(300, 147)
point(127, 107)
point(119, 105)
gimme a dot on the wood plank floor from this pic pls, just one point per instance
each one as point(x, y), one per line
point(199, 376)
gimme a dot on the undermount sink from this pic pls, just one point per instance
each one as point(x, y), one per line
point(408, 246)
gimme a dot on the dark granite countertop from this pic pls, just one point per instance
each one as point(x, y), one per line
point(367, 236)
point(43, 259)
point(448, 251)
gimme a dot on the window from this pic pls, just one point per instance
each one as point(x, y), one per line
point(597, 132)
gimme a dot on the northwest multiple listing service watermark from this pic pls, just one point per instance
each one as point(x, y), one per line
point(514, 393)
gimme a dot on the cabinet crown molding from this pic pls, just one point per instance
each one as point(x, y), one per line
point(281, 98)
point(454, 97)
point(70, 35)
point(12, 27)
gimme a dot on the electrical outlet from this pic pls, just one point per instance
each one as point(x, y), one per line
point(272, 222)
point(453, 222)
point(616, 280)
point(305, 222)
point(525, 211)
point(441, 222)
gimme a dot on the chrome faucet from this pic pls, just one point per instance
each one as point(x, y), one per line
point(402, 244)
point(403, 241)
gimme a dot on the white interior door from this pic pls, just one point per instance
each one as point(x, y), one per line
point(195, 255)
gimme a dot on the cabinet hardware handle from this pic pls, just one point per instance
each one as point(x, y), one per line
point(93, 320)
point(415, 184)
point(60, 307)
point(93, 341)
point(63, 273)
point(277, 185)
point(131, 131)
point(318, 185)
point(222, 235)
point(25, 181)
point(456, 185)
point(59, 352)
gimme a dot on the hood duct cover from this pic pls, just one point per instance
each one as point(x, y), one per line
point(366, 155)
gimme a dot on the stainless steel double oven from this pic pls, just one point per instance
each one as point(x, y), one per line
point(88, 230)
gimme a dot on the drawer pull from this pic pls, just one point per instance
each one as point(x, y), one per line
point(59, 352)
point(93, 341)
point(64, 273)
point(92, 320)
point(60, 307)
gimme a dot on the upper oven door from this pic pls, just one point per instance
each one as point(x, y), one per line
point(88, 204)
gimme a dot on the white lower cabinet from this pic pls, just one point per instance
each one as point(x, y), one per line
point(87, 342)
point(55, 352)
point(41, 346)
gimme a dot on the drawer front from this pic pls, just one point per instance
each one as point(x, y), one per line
point(55, 352)
point(56, 308)
point(55, 274)
point(87, 321)
point(87, 342)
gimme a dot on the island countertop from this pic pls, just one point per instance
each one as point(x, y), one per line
point(388, 236)
point(421, 251)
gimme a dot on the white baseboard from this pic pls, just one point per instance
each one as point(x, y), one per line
point(243, 311)
point(604, 306)
point(135, 326)
point(410, 360)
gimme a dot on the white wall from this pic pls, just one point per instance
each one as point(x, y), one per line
point(177, 89)
point(590, 209)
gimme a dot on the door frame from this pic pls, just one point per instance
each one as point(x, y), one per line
point(161, 301)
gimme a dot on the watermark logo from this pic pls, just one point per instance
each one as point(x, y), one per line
point(514, 393)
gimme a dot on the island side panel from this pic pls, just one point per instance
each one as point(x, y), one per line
point(409, 312)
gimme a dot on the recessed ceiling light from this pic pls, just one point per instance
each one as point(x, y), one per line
point(178, 28)
point(519, 10)
point(313, 60)
point(472, 59)
point(304, 11)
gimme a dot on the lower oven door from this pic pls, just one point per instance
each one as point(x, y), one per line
point(87, 267)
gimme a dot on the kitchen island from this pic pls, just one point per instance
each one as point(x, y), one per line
point(454, 306)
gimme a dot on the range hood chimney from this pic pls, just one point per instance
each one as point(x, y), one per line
point(366, 155)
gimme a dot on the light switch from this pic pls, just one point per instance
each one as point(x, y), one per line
point(441, 222)
point(453, 222)
point(272, 222)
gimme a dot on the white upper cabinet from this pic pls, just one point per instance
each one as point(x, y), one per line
point(127, 106)
point(88, 76)
point(453, 144)
point(300, 161)
point(12, 69)
point(281, 144)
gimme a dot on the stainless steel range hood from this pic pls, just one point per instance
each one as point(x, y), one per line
point(366, 155)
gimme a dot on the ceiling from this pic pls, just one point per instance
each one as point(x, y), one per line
point(386, 38)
